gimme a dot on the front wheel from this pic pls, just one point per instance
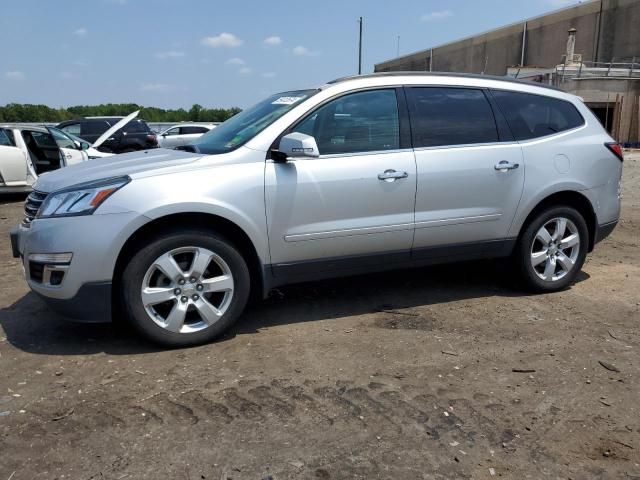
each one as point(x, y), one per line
point(185, 288)
point(552, 249)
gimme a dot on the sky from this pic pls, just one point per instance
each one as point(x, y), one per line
point(171, 54)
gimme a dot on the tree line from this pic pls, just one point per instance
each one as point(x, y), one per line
point(18, 112)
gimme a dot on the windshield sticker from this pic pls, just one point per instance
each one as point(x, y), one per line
point(286, 100)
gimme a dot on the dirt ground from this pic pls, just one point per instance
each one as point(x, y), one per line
point(404, 375)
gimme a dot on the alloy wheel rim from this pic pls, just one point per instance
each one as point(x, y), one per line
point(555, 249)
point(187, 289)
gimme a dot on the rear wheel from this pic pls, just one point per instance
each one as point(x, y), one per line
point(185, 288)
point(552, 249)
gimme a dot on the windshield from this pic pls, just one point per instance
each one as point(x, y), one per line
point(242, 127)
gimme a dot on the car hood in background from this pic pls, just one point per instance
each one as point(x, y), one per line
point(113, 166)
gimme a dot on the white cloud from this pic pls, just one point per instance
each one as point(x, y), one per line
point(268, 75)
point(273, 41)
point(236, 61)
point(169, 54)
point(244, 71)
point(438, 15)
point(304, 51)
point(14, 75)
point(156, 87)
point(223, 40)
point(81, 32)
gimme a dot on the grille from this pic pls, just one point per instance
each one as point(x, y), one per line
point(31, 207)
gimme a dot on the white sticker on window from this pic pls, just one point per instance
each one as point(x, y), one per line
point(286, 100)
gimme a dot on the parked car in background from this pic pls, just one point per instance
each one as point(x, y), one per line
point(362, 174)
point(183, 134)
point(29, 151)
point(133, 136)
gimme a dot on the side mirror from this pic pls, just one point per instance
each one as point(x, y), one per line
point(296, 145)
point(84, 146)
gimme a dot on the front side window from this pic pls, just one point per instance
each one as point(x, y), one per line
point(172, 131)
point(442, 116)
point(242, 127)
point(533, 116)
point(355, 123)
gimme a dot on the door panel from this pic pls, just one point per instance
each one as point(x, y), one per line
point(337, 207)
point(13, 165)
point(461, 196)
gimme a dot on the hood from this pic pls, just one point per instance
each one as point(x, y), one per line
point(105, 136)
point(113, 166)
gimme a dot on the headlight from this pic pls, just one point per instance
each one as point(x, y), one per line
point(81, 199)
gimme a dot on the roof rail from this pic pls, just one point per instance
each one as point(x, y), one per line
point(442, 74)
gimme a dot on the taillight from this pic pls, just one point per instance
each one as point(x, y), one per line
point(616, 149)
point(152, 139)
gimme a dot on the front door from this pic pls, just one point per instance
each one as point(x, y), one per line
point(351, 207)
point(70, 153)
point(470, 173)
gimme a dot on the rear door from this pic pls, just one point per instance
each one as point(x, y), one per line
point(13, 161)
point(470, 172)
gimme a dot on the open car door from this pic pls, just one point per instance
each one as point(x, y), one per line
point(70, 152)
point(109, 133)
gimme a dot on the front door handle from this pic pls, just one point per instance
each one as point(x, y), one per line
point(391, 175)
point(503, 166)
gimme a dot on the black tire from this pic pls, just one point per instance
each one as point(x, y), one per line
point(147, 253)
point(531, 280)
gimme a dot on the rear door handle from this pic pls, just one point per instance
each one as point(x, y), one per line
point(504, 165)
point(391, 175)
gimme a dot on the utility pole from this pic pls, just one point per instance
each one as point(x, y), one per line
point(360, 49)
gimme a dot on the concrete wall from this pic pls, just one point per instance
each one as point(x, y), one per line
point(606, 29)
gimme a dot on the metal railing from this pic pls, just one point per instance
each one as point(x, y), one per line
point(585, 69)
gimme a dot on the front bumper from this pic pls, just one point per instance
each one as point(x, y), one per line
point(84, 293)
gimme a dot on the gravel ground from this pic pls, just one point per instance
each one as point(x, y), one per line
point(445, 372)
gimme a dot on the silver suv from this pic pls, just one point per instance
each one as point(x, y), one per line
point(362, 174)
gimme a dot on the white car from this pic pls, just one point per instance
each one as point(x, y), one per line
point(29, 151)
point(183, 134)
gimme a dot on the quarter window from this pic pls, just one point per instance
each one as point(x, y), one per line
point(533, 116)
point(451, 116)
point(355, 123)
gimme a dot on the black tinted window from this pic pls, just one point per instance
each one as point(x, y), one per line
point(358, 122)
point(451, 116)
point(136, 126)
point(533, 116)
point(192, 130)
point(94, 128)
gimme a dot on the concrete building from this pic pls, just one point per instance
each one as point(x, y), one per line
point(591, 49)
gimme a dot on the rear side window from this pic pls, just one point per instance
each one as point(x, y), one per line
point(136, 126)
point(93, 128)
point(5, 139)
point(450, 116)
point(533, 116)
point(193, 130)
